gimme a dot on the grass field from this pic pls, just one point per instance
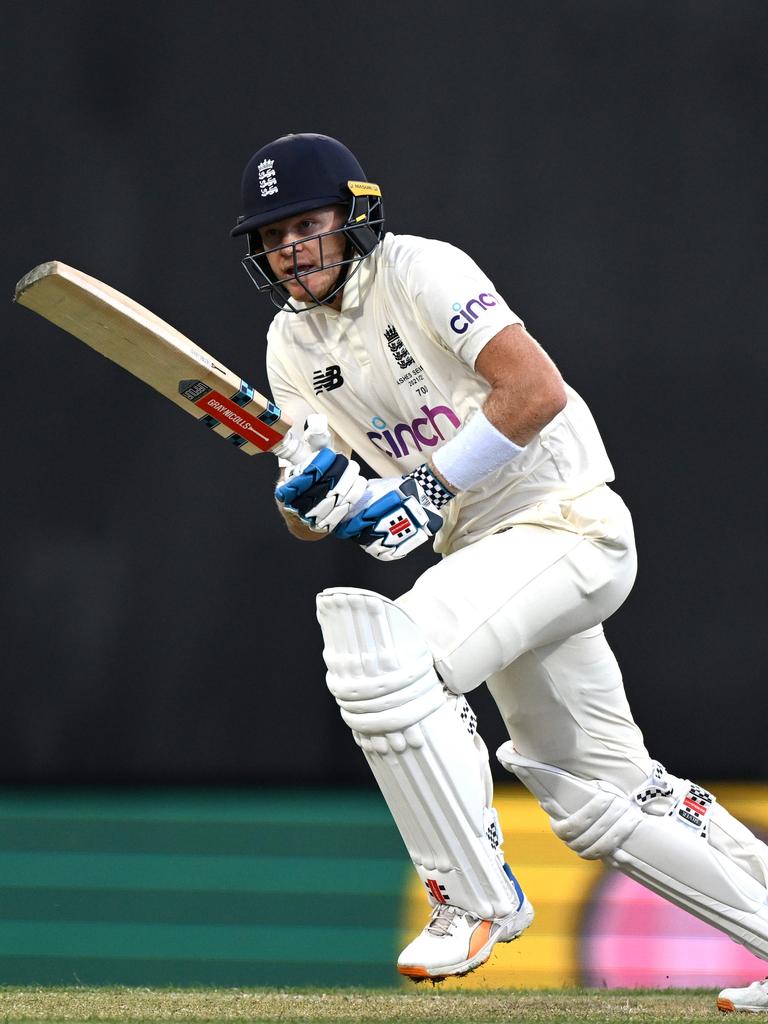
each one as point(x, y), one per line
point(296, 1006)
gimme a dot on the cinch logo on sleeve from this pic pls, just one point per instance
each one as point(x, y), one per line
point(468, 314)
point(399, 440)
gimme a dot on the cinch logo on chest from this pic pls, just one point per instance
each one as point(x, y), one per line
point(400, 440)
point(327, 380)
point(400, 353)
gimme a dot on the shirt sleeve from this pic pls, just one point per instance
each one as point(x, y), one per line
point(456, 300)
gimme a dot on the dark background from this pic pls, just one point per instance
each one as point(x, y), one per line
point(604, 162)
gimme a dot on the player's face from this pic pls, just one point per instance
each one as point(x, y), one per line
point(299, 258)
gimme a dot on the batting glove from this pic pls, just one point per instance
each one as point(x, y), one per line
point(405, 517)
point(322, 492)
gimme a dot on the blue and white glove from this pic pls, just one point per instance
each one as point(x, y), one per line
point(396, 515)
point(387, 517)
point(323, 491)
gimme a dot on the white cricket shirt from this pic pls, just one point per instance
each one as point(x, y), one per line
point(394, 373)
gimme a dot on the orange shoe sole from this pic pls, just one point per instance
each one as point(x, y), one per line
point(422, 974)
point(417, 973)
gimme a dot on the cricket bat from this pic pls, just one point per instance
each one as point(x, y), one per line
point(158, 354)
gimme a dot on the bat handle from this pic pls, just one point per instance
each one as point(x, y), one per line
point(297, 450)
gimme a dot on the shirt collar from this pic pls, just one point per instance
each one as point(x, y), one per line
point(355, 289)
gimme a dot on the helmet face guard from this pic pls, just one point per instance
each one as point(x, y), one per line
point(296, 174)
point(362, 230)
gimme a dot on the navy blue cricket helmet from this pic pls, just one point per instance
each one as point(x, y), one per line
point(298, 173)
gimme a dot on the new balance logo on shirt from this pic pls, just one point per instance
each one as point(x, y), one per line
point(328, 379)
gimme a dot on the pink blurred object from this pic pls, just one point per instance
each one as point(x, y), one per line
point(632, 937)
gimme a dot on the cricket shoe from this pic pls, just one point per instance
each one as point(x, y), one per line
point(456, 942)
point(752, 999)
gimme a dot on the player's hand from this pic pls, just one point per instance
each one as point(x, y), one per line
point(323, 491)
point(391, 525)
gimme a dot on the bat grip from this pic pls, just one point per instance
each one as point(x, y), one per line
point(298, 450)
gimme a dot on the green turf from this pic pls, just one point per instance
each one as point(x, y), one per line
point(222, 888)
point(302, 1006)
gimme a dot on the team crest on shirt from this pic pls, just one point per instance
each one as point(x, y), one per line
point(396, 346)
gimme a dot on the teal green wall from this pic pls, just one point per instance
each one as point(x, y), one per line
point(180, 887)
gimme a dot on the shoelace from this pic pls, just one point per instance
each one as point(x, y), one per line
point(442, 919)
point(444, 916)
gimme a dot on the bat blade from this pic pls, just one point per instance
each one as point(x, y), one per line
point(152, 350)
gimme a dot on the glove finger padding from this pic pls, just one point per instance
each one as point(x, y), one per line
point(322, 492)
point(326, 515)
point(307, 485)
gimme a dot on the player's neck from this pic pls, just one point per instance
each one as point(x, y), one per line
point(336, 301)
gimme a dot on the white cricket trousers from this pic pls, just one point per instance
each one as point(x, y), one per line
point(522, 609)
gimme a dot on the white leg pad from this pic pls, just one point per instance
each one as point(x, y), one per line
point(669, 835)
point(422, 747)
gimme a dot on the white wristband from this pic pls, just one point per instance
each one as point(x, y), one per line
point(478, 450)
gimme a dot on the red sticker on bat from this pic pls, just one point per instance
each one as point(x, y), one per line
point(238, 420)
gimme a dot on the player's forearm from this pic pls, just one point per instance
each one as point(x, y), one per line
point(527, 391)
point(521, 413)
point(518, 406)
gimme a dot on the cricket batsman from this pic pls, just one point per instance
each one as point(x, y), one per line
point(402, 350)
